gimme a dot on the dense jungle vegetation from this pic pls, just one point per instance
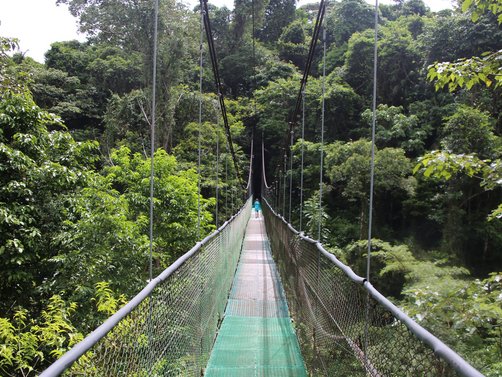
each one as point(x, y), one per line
point(74, 147)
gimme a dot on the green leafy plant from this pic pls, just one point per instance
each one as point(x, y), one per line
point(30, 344)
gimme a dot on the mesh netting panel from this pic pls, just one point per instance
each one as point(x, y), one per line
point(330, 311)
point(172, 331)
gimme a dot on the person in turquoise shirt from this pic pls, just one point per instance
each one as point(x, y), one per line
point(257, 208)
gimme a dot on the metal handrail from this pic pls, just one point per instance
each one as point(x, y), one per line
point(439, 348)
point(63, 363)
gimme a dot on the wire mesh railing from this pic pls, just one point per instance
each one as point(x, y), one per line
point(331, 306)
point(169, 328)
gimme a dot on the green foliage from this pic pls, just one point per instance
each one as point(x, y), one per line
point(30, 344)
point(358, 61)
point(343, 108)
point(102, 239)
point(125, 122)
point(396, 129)
point(396, 44)
point(478, 7)
point(69, 220)
point(414, 7)
point(175, 202)
point(468, 72)
point(106, 301)
point(470, 131)
point(237, 69)
point(465, 315)
point(7, 80)
point(465, 73)
point(273, 103)
point(348, 17)
point(293, 43)
point(41, 172)
point(278, 14)
point(272, 69)
point(444, 165)
point(348, 165)
point(395, 267)
point(316, 216)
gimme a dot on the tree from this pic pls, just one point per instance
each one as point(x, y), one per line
point(8, 81)
point(396, 129)
point(176, 197)
point(478, 7)
point(470, 131)
point(398, 58)
point(278, 14)
point(247, 14)
point(79, 78)
point(293, 43)
point(41, 171)
point(444, 166)
point(237, 69)
point(30, 344)
point(414, 7)
point(359, 62)
point(221, 22)
point(342, 108)
point(128, 27)
point(122, 23)
point(347, 18)
point(348, 167)
point(467, 72)
point(464, 314)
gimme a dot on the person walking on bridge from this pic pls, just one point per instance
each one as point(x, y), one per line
point(257, 208)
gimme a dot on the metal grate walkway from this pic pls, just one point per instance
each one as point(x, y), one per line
point(256, 337)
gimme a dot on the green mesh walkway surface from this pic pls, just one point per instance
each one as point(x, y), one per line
point(256, 337)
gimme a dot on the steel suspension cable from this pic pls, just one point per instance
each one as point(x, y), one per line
point(284, 185)
point(152, 164)
point(263, 165)
point(290, 174)
point(372, 174)
point(251, 158)
point(152, 131)
point(217, 174)
point(199, 137)
point(321, 168)
point(373, 128)
point(306, 72)
point(231, 186)
point(302, 154)
point(226, 183)
point(219, 86)
point(308, 65)
point(310, 58)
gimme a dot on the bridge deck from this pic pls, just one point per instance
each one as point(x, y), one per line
point(256, 337)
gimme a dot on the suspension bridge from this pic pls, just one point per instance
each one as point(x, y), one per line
point(260, 298)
